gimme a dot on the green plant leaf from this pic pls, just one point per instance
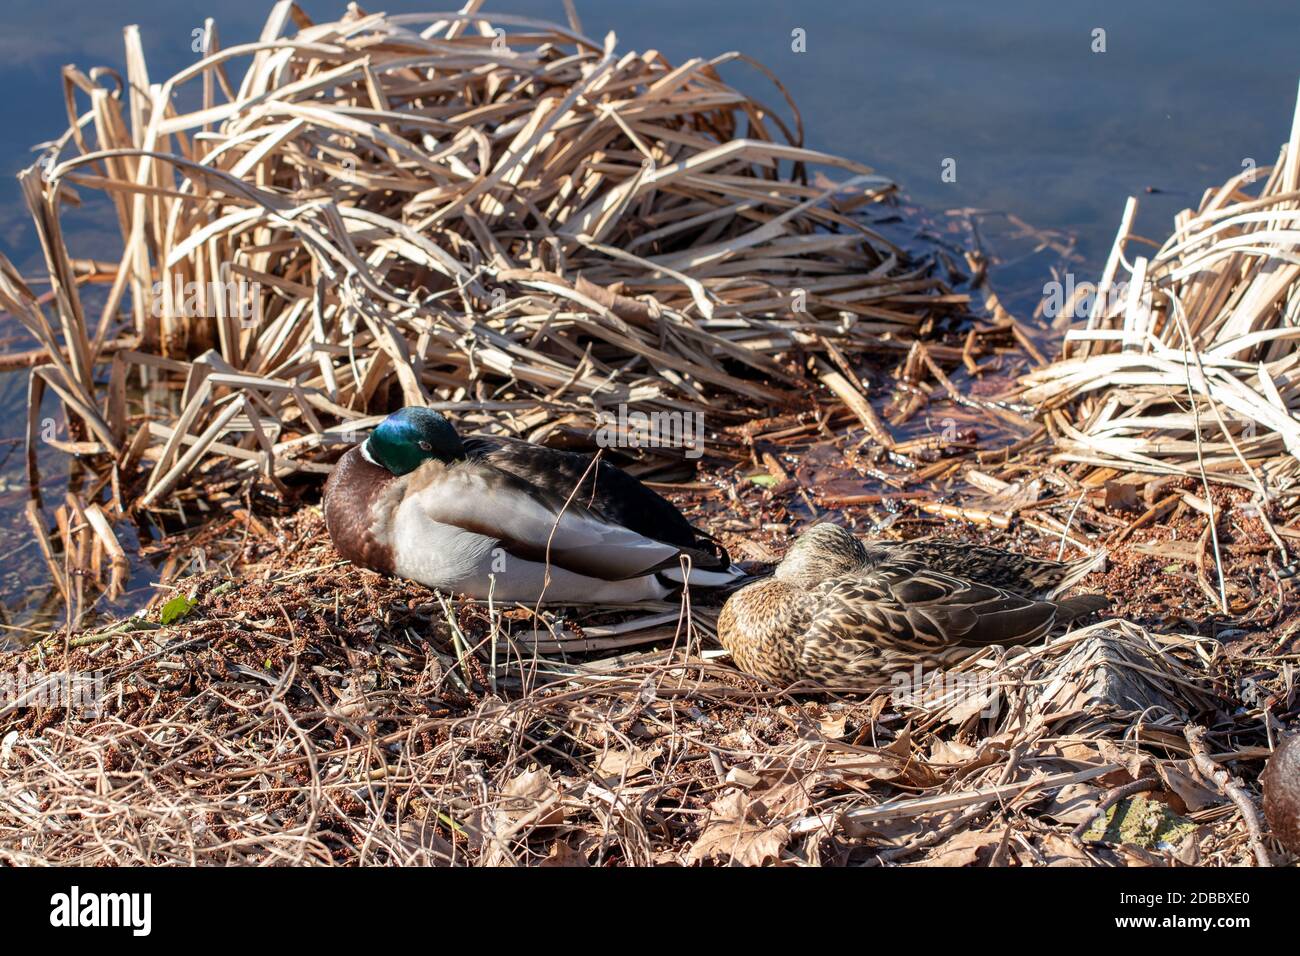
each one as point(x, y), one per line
point(176, 608)
point(764, 481)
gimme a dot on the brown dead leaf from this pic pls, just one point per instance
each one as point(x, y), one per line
point(902, 744)
point(964, 849)
point(420, 836)
point(988, 751)
point(853, 769)
point(1074, 804)
point(951, 752)
point(1137, 856)
point(625, 764)
point(532, 794)
point(1136, 765)
point(736, 834)
point(875, 709)
point(897, 760)
point(1078, 752)
point(1182, 778)
point(563, 854)
point(959, 704)
point(1060, 851)
point(789, 799)
point(833, 726)
point(1188, 851)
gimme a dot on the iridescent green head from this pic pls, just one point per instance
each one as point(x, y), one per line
point(408, 438)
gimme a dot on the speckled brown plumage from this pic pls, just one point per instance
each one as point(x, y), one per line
point(1018, 573)
point(755, 625)
point(841, 612)
point(1281, 782)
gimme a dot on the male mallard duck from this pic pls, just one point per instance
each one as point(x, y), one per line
point(418, 501)
point(838, 611)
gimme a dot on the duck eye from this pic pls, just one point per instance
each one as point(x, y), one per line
point(425, 446)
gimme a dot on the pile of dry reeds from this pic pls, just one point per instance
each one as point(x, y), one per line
point(1187, 364)
point(495, 216)
point(310, 713)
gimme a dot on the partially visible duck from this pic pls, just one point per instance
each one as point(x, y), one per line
point(521, 521)
point(839, 612)
point(1281, 782)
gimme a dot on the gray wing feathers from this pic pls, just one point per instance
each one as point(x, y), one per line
point(539, 526)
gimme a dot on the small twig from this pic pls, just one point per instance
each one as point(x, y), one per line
point(1065, 534)
point(1230, 787)
point(1190, 350)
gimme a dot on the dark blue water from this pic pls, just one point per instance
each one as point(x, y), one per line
point(1039, 125)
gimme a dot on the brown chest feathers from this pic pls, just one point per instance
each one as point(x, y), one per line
point(755, 625)
point(350, 495)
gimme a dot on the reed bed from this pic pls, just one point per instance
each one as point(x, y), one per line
point(497, 217)
point(1187, 362)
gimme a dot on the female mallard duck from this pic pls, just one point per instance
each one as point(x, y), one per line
point(523, 522)
point(838, 611)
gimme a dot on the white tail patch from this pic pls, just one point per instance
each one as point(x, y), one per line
point(705, 579)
